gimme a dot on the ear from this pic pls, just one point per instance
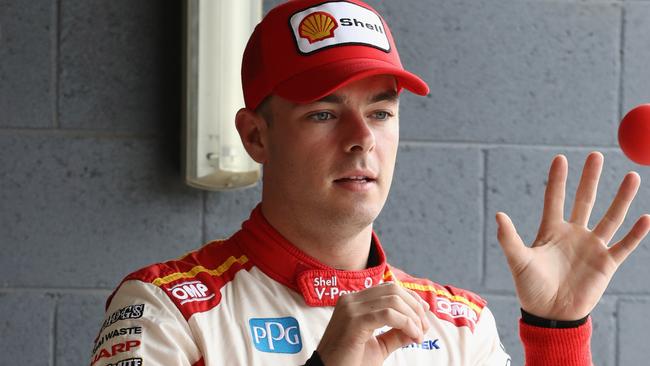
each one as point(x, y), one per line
point(252, 130)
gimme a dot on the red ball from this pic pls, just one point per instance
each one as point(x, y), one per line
point(634, 134)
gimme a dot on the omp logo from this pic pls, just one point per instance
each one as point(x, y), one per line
point(456, 309)
point(317, 26)
point(191, 291)
point(276, 335)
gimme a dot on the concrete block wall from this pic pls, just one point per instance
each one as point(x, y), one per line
point(90, 184)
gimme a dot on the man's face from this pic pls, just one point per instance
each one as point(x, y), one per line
point(332, 160)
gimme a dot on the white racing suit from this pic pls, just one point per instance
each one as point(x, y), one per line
point(255, 299)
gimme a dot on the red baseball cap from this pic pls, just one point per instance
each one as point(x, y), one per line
point(304, 50)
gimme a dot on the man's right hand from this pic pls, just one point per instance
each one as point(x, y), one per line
point(349, 337)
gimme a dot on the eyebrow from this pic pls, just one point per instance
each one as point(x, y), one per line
point(389, 95)
point(332, 98)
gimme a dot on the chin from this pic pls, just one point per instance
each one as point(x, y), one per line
point(357, 215)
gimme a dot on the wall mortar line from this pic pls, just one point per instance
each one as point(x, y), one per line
point(54, 69)
point(58, 290)
point(617, 331)
point(204, 206)
point(79, 133)
point(469, 144)
point(621, 67)
point(53, 343)
point(484, 218)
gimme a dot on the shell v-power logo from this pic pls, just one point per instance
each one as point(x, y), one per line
point(318, 26)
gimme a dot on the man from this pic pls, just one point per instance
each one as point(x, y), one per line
point(306, 279)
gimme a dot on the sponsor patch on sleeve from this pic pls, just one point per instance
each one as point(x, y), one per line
point(115, 349)
point(128, 312)
point(190, 291)
point(109, 335)
point(119, 335)
point(127, 362)
point(197, 289)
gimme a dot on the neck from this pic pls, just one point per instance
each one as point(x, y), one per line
point(336, 245)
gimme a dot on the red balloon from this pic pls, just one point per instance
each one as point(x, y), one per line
point(634, 134)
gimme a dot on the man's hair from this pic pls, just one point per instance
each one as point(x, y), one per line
point(264, 110)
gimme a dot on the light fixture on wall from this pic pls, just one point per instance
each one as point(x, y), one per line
point(216, 32)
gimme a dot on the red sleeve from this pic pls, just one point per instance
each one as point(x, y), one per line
point(553, 346)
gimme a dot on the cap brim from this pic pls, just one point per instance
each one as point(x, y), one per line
point(321, 81)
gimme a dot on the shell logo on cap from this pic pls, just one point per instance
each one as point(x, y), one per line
point(317, 27)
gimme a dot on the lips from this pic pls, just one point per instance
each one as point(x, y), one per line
point(355, 179)
point(357, 176)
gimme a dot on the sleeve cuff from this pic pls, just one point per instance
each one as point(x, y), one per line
point(531, 319)
point(556, 346)
point(314, 360)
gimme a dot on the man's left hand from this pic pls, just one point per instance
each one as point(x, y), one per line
point(566, 270)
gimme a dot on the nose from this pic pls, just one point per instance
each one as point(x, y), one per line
point(359, 136)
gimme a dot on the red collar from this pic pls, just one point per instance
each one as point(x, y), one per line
point(319, 284)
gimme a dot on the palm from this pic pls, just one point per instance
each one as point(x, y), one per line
point(564, 273)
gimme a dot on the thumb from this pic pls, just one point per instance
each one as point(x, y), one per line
point(511, 243)
point(392, 340)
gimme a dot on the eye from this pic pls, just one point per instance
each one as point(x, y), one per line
point(321, 116)
point(382, 115)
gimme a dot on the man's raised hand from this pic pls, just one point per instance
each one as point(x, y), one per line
point(566, 270)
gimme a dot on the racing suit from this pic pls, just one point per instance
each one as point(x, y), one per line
point(255, 299)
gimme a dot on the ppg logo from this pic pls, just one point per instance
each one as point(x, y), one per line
point(276, 335)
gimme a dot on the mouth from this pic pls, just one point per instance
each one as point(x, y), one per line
point(359, 179)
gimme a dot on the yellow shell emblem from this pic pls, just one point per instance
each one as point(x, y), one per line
point(317, 27)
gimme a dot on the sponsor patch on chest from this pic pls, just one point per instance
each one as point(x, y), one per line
point(457, 310)
point(276, 335)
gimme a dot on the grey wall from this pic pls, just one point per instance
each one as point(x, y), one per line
point(90, 185)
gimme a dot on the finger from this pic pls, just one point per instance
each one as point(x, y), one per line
point(393, 340)
point(392, 318)
point(587, 189)
point(623, 248)
point(405, 304)
point(511, 243)
point(616, 212)
point(399, 298)
point(554, 194)
point(422, 310)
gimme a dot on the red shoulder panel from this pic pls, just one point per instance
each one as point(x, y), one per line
point(455, 305)
point(193, 282)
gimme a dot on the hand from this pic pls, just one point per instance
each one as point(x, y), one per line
point(349, 339)
point(565, 272)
